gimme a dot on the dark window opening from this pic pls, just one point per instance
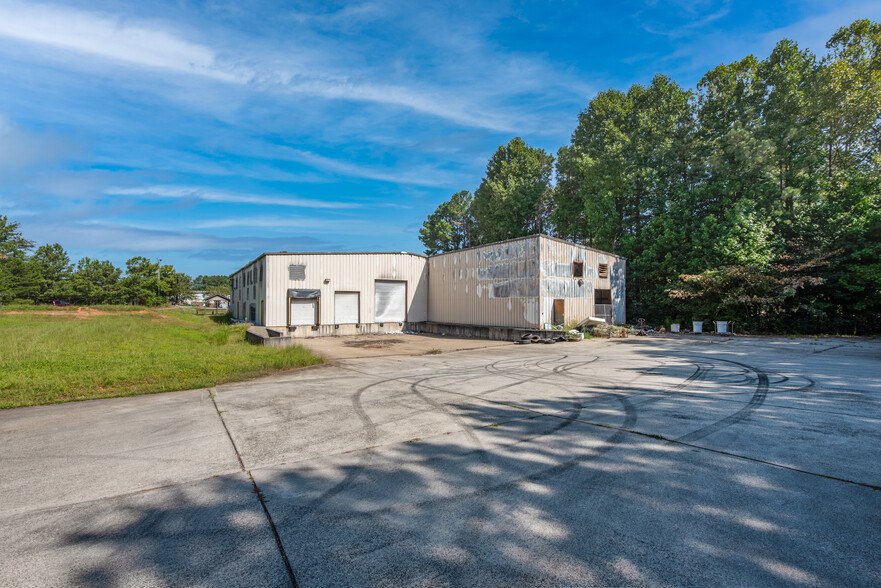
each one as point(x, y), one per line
point(577, 269)
point(603, 271)
point(602, 297)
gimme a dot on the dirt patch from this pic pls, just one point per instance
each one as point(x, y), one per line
point(373, 343)
point(85, 313)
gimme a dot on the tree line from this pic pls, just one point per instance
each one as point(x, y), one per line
point(755, 197)
point(46, 273)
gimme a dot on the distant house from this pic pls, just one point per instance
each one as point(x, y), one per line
point(217, 301)
point(197, 298)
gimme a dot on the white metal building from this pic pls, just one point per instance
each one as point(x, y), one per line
point(527, 283)
point(332, 293)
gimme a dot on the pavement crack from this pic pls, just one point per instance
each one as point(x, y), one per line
point(258, 492)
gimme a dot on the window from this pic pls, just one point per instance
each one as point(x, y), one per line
point(603, 271)
point(602, 297)
point(261, 273)
point(577, 269)
point(297, 272)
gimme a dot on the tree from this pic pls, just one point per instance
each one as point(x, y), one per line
point(17, 277)
point(12, 243)
point(177, 285)
point(514, 199)
point(449, 227)
point(53, 268)
point(789, 119)
point(849, 96)
point(96, 282)
point(141, 284)
point(212, 284)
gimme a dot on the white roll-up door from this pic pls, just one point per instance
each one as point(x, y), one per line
point(390, 302)
point(304, 311)
point(345, 307)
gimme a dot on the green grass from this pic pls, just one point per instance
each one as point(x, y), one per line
point(49, 357)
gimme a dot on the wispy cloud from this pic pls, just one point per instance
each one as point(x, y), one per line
point(211, 195)
point(414, 175)
point(149, 45)
point(308, 225)
point(109, 37)
point(127, 238)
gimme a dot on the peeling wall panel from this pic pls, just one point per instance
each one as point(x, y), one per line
point(558, 281)
point(490, 285)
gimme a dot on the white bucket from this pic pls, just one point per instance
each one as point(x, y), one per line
point(674, 327)
point(697, 326)
point(722, 327)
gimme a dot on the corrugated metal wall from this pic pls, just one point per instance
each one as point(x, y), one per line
point(508, 284)
point(619, 291)
point(347, 272)
point(490, 285)
point(247, 287)
point(558, 281)
point(514, 283)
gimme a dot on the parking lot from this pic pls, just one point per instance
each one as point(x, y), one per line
point(640, 461)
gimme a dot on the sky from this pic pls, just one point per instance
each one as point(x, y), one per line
point(206, 133)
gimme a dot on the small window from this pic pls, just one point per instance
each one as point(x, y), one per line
point(261, 273)
point(602, 297)
point(577, 269)
point(297, 272)
point(603, 271)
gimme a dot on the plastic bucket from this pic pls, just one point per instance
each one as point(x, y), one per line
point(674, 327)
point(697, 326)
point(722, 327)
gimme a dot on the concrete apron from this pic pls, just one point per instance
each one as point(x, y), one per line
point(638, 461)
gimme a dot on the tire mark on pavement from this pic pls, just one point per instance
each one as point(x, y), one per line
point(758, 398)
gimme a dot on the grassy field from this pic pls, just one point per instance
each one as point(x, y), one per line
point(50, 355)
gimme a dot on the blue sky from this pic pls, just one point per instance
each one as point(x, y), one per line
point(205, 133)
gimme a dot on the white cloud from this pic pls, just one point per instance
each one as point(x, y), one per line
point(211, 195)
point(108, 37)
point(309, 225)
point(418, 176)
point(148, 45)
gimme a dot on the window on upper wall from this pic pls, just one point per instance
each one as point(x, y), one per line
point(577, 269)
point(603, 270)
point(602, 297)
point(261, 273)
point(297, 272)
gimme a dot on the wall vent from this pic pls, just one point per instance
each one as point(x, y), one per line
point(297, 272)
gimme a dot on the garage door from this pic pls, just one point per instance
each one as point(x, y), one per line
point(304, 311)
point(390, 302)
point(345, 308)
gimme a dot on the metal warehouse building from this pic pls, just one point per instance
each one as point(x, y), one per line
point(524, 283)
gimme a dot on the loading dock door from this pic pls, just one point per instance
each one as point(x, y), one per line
point(345, 308)
point(304, 311)
point(390, 302)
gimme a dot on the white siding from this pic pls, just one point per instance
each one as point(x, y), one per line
point(350, 272)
